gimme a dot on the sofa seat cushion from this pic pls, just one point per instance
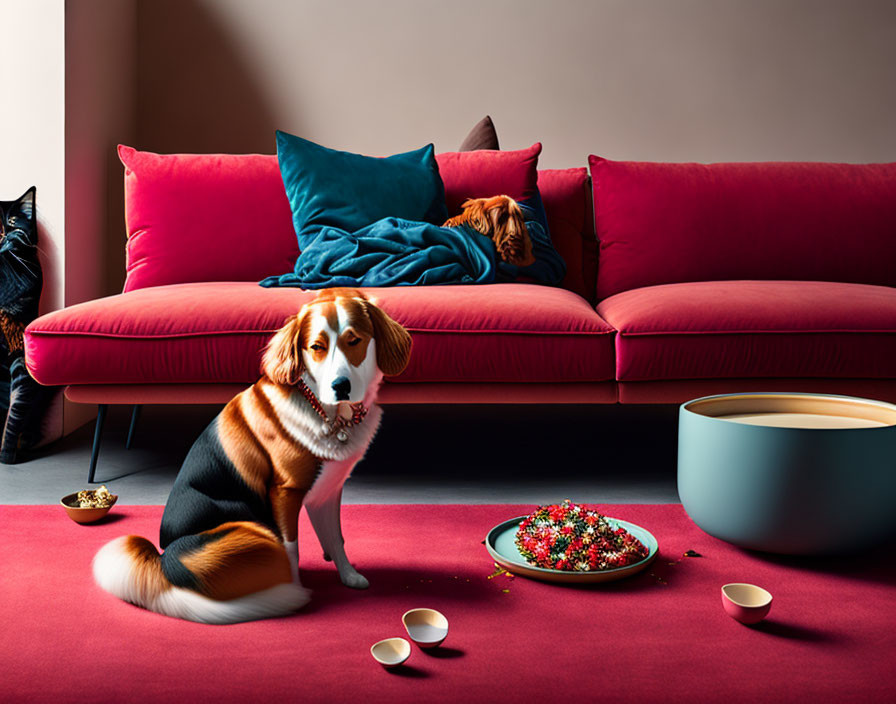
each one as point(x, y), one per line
point(752, 329)
point(215, 333)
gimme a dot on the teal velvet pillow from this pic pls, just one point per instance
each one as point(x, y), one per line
point(329, 188)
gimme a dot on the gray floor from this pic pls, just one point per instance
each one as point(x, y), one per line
point(422, 454)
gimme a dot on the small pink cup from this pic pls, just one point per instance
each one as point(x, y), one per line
point(746, 603)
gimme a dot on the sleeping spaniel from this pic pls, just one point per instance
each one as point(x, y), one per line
point(501, 219)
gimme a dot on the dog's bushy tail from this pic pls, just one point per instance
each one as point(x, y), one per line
point(132, 569)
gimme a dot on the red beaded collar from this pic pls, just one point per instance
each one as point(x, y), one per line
point(339, 424)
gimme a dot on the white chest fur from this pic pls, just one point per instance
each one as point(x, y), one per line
point(308, 429)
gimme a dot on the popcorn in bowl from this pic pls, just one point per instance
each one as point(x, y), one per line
point(95, 498)
point(574, 538)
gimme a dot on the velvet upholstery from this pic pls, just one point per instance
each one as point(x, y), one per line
point(391, 252)
point(752, 222)
point(486, 173)
point(182, 223)
point(735, 329)
point(566, 194)
point(670, 223)
point(482, 136)
point(330, 188)
point(215, 332)
point(204, 217)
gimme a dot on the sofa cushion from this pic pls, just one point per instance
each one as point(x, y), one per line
point(566, 194)
point(348, 192)
point(225, 217)
point(482, 136)
point(205, 217)
point(214, 332)
point(752, 329)
point(669, 223)
point(485, 173)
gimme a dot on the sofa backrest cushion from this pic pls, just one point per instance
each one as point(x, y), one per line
point(670, 223)
point(225, 217)
point(347, 191)
point(486, 172)
point(566, 194)
point(205, 217)
point(482, 136)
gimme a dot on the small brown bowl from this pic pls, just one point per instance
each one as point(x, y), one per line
point(84, 515)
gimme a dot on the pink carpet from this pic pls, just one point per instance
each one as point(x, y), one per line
point(831, 635)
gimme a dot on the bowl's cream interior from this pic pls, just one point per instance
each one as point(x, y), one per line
point(796, 411)
point(747, 595)
point(391, 651)
point(425, 625)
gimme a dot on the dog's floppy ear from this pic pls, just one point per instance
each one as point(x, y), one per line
point(282, 361)
point(393, 343)
point(509, 231)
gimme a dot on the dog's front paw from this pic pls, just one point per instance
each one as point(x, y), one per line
point(354, 579)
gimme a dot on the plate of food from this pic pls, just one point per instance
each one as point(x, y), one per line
point(571, 543)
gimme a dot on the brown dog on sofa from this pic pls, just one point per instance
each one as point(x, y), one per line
point(501, 219)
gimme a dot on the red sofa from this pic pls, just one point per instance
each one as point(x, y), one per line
point(710, 278)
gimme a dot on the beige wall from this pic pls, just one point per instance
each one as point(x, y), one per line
point(32, 125)
point(669, 80)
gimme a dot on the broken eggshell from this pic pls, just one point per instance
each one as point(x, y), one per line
point(391, 652)
point(426, 627)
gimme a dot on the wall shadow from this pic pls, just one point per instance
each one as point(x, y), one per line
point(114, 258)
point(49, 258)
point(195, 92)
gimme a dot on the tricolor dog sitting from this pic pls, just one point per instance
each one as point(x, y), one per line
point(230, 527)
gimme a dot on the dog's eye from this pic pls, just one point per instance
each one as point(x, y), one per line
point(316, 347)
point(354, 341)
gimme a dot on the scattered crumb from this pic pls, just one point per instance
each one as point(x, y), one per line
point(499, 571)
point(659, 580)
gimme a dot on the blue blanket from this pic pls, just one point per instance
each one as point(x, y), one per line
point(392, 252)
point(396, 252)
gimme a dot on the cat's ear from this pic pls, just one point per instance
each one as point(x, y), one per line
point(26, 202)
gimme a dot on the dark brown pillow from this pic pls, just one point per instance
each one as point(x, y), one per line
point(482, 136)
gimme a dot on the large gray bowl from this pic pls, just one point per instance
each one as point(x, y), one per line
point(831, 488)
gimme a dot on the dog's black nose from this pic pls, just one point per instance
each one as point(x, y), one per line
point(342, 386)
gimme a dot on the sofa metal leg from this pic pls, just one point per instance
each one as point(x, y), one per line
point(97, 438)
point(135, 415)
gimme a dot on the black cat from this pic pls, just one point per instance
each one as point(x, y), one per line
point(22, 400)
